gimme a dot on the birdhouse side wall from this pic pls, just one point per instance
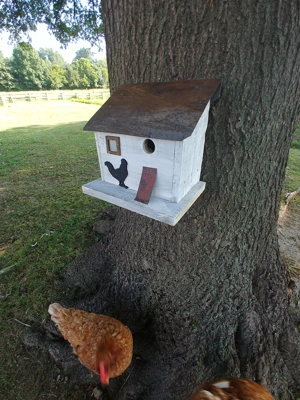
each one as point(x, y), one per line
point(132, 149)
point(98, 146)
point(191, 152)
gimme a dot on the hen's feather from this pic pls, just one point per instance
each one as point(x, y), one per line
point(232, 389)
point(95, 338)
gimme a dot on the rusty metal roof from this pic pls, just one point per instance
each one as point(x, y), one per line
point(168, 110)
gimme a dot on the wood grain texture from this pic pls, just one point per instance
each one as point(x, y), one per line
point(159, 209)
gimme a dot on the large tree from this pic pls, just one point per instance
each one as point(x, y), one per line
point(88, 74)
point(53, 56)
point(84, 52)
point(28, 69)
point(68, 20)
point(214, 287)
point(208, 297)
point(6, 80)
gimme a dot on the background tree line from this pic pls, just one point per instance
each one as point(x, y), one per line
point(46, 69)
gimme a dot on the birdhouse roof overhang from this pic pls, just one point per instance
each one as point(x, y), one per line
point(168, 110)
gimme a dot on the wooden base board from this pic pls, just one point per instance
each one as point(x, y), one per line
point(158, 209)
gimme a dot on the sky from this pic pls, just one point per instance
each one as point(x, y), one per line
point(42, 38)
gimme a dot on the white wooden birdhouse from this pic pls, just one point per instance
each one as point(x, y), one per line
point(150, 141)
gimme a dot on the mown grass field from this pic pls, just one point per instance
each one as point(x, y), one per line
point(292, 176)
point(46, 222)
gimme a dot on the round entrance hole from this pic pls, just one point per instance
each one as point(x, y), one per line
point(149, 146)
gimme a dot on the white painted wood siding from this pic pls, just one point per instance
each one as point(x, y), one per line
point(159, 209)
point(132, 149)
point(188, 158)
point(178, 163)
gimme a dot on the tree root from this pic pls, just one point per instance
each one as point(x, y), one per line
point(290, 196)
point(287, 200)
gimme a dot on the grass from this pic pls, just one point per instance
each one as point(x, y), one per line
point(46, 220)
point(86, 101)
point(292, 174)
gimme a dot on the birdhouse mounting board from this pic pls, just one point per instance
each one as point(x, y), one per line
point(161, 210)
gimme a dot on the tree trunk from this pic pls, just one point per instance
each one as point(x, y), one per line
point(208, 297)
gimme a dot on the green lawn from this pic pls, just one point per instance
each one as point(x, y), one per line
point(292, 175)
point(46, 220)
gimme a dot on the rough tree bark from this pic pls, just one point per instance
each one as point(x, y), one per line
point(208, 297)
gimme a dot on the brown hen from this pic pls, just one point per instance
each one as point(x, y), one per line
point(232, 389)
point(102, 344)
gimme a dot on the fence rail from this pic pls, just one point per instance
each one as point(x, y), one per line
point(12, 97)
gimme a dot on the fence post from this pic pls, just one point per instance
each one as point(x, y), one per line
point(2, 99)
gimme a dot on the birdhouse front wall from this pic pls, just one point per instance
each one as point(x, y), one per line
point(178, 163)
point(134, 150)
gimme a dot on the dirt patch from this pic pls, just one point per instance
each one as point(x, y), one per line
point(30, 374)
point(289, 237)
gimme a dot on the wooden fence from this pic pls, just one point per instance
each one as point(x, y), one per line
point(13, 97)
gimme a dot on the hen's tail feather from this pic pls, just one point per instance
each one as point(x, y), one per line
point(54, 310)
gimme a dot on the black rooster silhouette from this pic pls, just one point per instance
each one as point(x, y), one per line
point(120, 173)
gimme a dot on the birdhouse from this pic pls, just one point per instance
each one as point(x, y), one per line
point(150, 141)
